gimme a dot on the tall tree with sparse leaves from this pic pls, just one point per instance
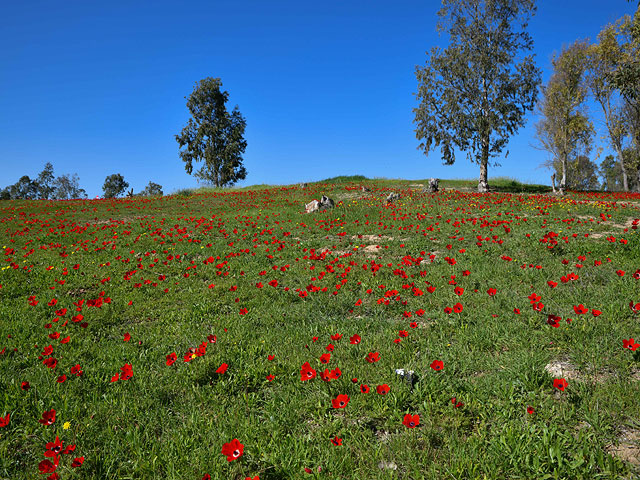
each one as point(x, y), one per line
point(564, 130)
point(45, 181)
point(213, 136)
point(475, 93)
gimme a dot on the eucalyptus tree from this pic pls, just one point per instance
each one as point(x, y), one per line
point(473, 95)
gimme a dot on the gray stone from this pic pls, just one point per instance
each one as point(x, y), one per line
point(433, 185)
point(365, 189)
point(392, 197)
point(326, 203)
point(483, 187)
point(312, 206)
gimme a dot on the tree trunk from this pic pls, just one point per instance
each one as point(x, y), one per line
point(483, 185)
point(625, 177)
point(563, 182)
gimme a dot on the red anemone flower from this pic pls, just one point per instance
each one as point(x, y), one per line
point(560, 384)
point(222, 368)
point(383, 389)
point(373, 357)
point(5, 421)
point(411, 421)
point(306, 372)
point(232, 450)
point(630, 344)
point(364, 388)
point(437, 365)
point(336, 441)
point(48, 417)
point(171, 358)
point(340, 401)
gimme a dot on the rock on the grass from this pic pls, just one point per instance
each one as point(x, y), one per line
point(326, 203)
point(483, 187)
point(433, 185)
point(365, 189)
point(392, 197)
point(312, 206)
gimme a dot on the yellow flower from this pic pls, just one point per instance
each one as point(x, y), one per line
point(66, 425)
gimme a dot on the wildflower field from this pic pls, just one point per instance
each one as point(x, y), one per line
point(228, 335)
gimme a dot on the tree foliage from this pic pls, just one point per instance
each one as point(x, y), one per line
point(213, 136)
point(564, 129)
point(67, 187)
point(152, 189)
point(605, 58)
point(45, 181)
point(475, 93)
point(114, 185)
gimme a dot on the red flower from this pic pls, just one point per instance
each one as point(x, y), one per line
point(306, 372)
point(364, 388)
point(45, 466)
point(530, 410)
point(373, 357)
point(54, 449)
point(595, 312)
point(325, 357)
point(382, 389)
point(171, 358)
point(336, 441)
point(233, 450)
point(455, 403)
point(77, 462)
point(5, 421)
point(61, 379)
point(620, 273)
point(336, 336)
point(457, 307)
point(270, 378)
point(25, 386)
point(448, 310)
point(355, 339)
point(437, 365)
point(127, 337)
point(552, 284)
point(48, 417)
point(411, 421)
point(580, 309)
point(127, 372)
point(491, 292)
point(270, 357)
point(340, 401)
point(634, 308)
point(243, 311)
point(222, 368)
point(458, 291)
point(560, 383)
point(630, 344)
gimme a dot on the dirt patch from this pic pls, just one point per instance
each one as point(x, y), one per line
point(568, 371)
point(371, 238)
point(628, 447)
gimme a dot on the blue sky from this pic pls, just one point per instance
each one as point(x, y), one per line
point(327, 88)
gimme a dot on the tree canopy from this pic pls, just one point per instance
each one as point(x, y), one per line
point(475, 93)
point(564, 129)
point(114, 185)
point(213, 136)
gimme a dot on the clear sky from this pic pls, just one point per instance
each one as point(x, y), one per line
point(327, 88)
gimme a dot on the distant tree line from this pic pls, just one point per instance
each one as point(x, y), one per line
point(48, 187)
point(45, 186)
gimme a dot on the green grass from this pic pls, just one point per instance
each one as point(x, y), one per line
point(172, 421)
